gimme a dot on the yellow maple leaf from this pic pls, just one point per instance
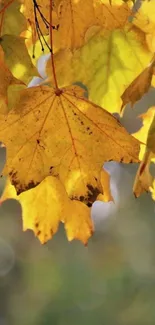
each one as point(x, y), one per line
point(11, 19)
point(105, 182)
point(46, 205)
point(60, 133)
point(6, 79)
point(77, 222)
point(142, 133)
point(37, 14)
point(150, 41)
point(37, 34)
point(17, 58)
point(144, 20)
point(144, 17)
point(75, 18)
point(31, 14)
point(146, 134)
point(106, 65)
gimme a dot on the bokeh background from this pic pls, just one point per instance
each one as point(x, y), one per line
point(109, 282)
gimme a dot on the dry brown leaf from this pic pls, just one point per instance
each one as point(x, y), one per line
point(139, 86)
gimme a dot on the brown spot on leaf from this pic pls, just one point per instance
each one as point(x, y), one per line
point(13, 176)
point(19, 187)
point(31, 185)
point(93, 192)
point(91, 196)
point(28, 187)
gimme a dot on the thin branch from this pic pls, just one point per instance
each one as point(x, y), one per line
point(51, 44)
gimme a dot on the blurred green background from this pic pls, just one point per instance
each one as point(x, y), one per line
point(109, 282)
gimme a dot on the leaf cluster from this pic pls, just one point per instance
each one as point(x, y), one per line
point(59, 133)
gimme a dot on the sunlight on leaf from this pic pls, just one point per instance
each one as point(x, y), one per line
point(46, 205)
point(139, 86)
point(6, 79)
point(83, 14)
point(17, 58)
point(13, 20)
point(63, 135)
point(58, 135)
point(107, 65)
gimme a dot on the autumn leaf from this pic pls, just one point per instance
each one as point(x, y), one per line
point(105, 182)
point(58, 136)
point(6, 80)
point(37, 35)
point(106, 65)
point(37, 14)
point(17, 58)
point(150, 41)
point(64, 135)
point(75, 18)
point(144, 17)
point(46, 205)
point(78, 224)
point(144, 179)
point(144, 20)
point(30, 13)
point(11, 19)
point(139, 86)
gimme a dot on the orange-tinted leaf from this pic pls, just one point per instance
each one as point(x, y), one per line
point(11, 19)
point(75, 18)
point(105, 182)
point(144, 179)
point(64, 135)
point(29, 13)
point(139, 86)
point(17, 58)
